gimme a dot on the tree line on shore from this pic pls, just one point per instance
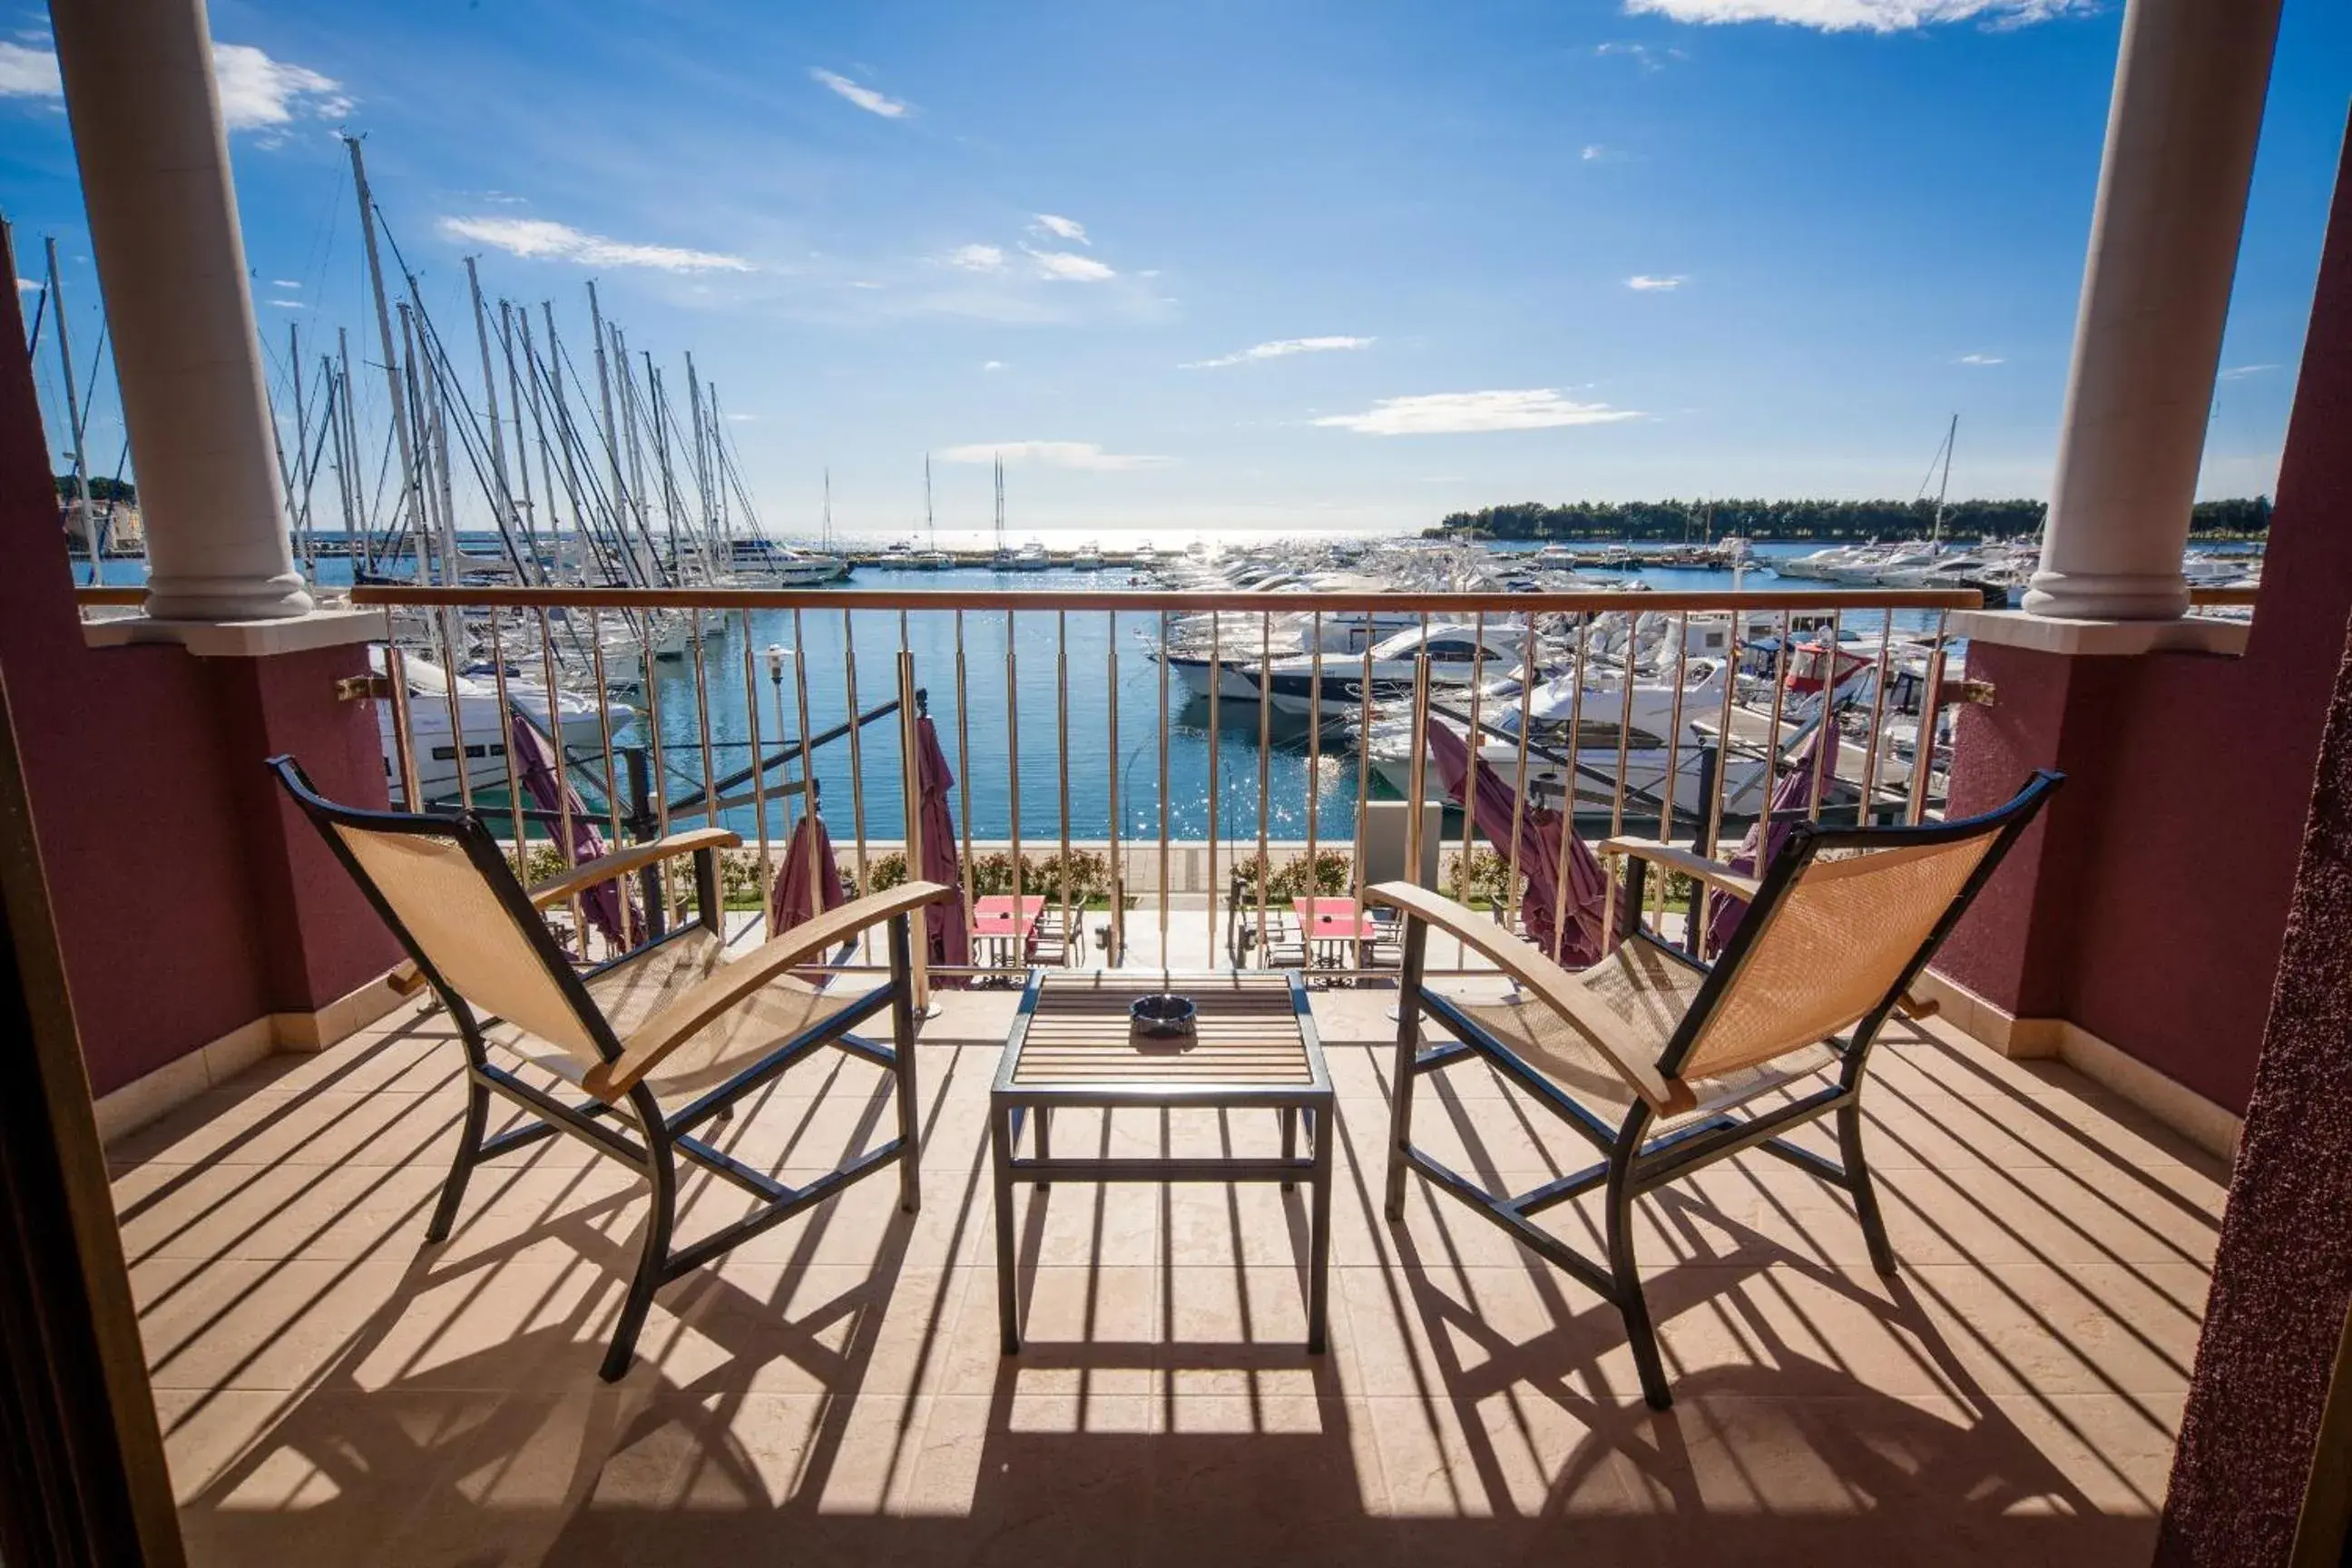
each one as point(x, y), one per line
point(1695, 522)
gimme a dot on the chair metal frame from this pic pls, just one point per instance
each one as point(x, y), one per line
point(1633, 1161)
point(663, 1136)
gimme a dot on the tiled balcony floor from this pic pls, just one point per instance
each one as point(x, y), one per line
point(333, 1391)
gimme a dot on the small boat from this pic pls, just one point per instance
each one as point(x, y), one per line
point(1459, 656)
point(1031, 557)
point(434, 747)
point(1088, 557)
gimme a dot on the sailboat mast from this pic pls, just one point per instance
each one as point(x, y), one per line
point(411, 502)
point(1944, 487)
point(504, 498)
point(930, 523)
point(73, 422)
point(301, 450)
point(524, 509)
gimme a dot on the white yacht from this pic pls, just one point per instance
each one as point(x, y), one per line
point(584, 724)
point(1031, 557)
point(1458, 654)
point(1088, 557)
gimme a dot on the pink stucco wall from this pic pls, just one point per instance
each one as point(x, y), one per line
point(2152, 913)
point(188, 901)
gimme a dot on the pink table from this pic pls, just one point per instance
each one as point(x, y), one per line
point(1331, 926)
point(1006, 929)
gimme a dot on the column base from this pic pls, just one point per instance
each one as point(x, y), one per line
point(243, 639)
point(238, 598)
point(2107, 596)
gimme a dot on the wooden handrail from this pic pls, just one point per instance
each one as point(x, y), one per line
point(1146, 599)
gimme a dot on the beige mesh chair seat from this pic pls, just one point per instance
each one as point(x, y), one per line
point(632, 990)
point(1666, 1064)
point(678, 1020)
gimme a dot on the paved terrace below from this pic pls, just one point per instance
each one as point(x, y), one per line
point(334, 1391)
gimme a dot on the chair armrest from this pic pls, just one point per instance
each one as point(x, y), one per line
point(627, 858)
point(674, 1024)
point(1714, 873)
point(1553, 986)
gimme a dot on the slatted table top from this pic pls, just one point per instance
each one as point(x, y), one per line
point(1252, 1033)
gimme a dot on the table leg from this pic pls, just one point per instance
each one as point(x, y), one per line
point(1318, 1267)
point(1008, 1308)
point(1289, 1140)
point(1044, 1149)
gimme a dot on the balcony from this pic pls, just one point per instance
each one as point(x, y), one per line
point(333, 1391)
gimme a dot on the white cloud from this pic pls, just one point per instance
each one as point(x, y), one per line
point(977, 257)
point(1281, 348)
point(1053, 454)
point(1981, 359)
point(1594, 151)
point(1462, 413)
point(29, 285)
point(285, 283)
point(542, 239)
point(1640, 54)
point(863, 283)
point(865, 98)
point(1646, 283)
point(257, 92)
point(1068, 266)
point(28, 73)
point(1859, 16)
point(1060, 227)
point(286, 304)
point(2235, 373)
point(991, 364)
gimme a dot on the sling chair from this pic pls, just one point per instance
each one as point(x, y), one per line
point(674, 1023)
point(1649, 1053)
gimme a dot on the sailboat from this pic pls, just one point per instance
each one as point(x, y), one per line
point(1003, 560)
point(931, 558)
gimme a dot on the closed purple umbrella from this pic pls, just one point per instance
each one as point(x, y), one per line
point(1794, 794)
point(800, 893)
point(950, 939)
point(1542, 833)
point(534, 760)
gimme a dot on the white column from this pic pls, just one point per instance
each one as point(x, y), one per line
point(145, 112)
point(2187, 107)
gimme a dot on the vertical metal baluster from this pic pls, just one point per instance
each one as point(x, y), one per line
point(506, 733)
point(659, 761)
point(857, 756)
point(1516, 910)
point(1417, 763)
point(1670, 786)
point(759, 777)
point(910, 796)
point(1013, 763)
point(1364, 766)
point(1163, 791)
point(1723, 741)
point(555, 740)
point(444, 624)
point(1877, 723)
point(809, 802)
point(605, 741)
point(1931, 704)
point(1781, 663)
point(718, 917)
point(1264, 770)
point(1314, 752)
point(1624, 730)
point(963, 764)
point(1216, 678)
point(1062, 753)
point(1829, 740)
point(1117, 948)
point(1470, 763)
point(403, 741)
point(1567, 798)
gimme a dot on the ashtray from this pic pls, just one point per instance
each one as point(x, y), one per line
point(1163, 1016)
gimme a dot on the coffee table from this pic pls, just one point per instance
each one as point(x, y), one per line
point(1254, 1047)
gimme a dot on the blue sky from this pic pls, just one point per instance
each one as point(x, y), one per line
point(1209, 265)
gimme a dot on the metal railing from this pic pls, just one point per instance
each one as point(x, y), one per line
point(651, 705)
point(1637, 717)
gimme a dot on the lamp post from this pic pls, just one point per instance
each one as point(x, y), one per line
point(776, 657)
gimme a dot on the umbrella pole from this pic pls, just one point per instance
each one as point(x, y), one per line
point(911, 791)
